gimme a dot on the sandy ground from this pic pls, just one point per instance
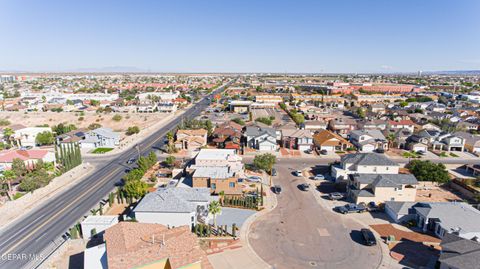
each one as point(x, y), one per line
point(31, 119)
point(430, 192)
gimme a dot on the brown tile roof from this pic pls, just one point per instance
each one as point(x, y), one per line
point(133, 244)
point(201, 132)
point(327, 138)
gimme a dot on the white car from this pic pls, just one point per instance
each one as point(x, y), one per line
point(254, 179)
point(319, 177)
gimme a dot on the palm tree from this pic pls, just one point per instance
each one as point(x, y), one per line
point(214, 209)
point(7, 134)
point(7, 177)
point(390, 138)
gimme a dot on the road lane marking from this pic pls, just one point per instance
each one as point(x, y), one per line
point(61, 211)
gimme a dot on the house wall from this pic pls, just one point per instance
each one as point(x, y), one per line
point(99, 227)
point(224, 185)
point(174, 219)
point(373, 169)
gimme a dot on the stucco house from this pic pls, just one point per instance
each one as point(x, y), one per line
point(439, 218)
point(191, 139)
point(363, 163)
point(330, 141)
point(174, 207)
point(27, 136)
point(297, 139)
point(29, 157)
point(472, 142)
point(368, 140)
point(261, 138)
point(379, 188)
point(100, 137)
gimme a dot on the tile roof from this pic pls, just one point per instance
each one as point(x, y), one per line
point(7, 157)
point(328, 138)
point(296, 133)
point(133, 244)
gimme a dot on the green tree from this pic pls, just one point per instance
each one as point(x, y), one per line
point(428, 171)
point(265, 161)
point(170, 160)
point(45, 138)
point(19, 168)
point(214, 209)
point(361, 112)
point(117, 117)
point(132, 130)
point(7, 134)
point(135, 188)
point(239, 121)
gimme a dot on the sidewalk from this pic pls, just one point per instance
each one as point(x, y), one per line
point(244, 257)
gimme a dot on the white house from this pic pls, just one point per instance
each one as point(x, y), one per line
point(27, 136)
point(100, 137)
point(219, 157)
point(174, 207)
point(29, 157)
point(262, 138)
point(363, 163)
point(439, 217)
point(93, 225)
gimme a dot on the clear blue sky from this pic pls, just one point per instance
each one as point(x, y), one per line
point(241, 36)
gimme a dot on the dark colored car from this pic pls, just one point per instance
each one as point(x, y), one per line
point(277, 189)
point(350, 208)
point(304, 186)
point(274, 172)
point(368, 237)
point(380, 150)
point(323, 152)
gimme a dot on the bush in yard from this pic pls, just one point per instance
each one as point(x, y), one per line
point(45, 138)
point(264, 120)
point(265, 161)
point(428, 171)
point(117, 117)
point(133, 130)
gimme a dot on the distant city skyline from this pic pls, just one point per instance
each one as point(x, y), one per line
point(246, 36)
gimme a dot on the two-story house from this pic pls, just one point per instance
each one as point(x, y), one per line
point(100, 137)
point(27, 136)
point(368, 140)
point(342, 126)
point(191, 139)
point(363, 163)
point(297, 139)
point(402, 124)
point(261, 138)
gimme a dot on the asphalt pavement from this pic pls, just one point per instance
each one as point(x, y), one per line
point(299, 233)
point(22, 243)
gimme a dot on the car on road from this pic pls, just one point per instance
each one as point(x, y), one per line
point(304, 186)
point(323, 152)
point(350, 208)
point(319, 177)
point(309, 151)
point(335, 196)
point(368, 237)
point(274, 172)
point(297, 173)
point(277, 189)
point(131, 160)
point(254, 179)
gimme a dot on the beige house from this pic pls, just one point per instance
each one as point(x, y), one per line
point(380, 188)
point(191, 139)
point(363, 163)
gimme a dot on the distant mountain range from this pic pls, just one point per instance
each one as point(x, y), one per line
point(453, 72)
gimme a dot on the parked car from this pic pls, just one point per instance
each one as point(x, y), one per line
point(297, 173)
point(319, 177)
point(421, 152)
point(350, 208)
point(323, 152)
point(335, 196)
point(380, 150)
point(274, 172)
point(304, 186)
point(277, 189)
point(131, 160)
point(309, 151)
point(372, 207)
point(254, 179)
point(368, 237)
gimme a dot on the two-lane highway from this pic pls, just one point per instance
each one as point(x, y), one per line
point(23, 241)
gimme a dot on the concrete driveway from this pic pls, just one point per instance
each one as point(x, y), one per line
point(299, 233)
point(230, 216)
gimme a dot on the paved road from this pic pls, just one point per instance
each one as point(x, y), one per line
point(299, 233)
point(23, 241)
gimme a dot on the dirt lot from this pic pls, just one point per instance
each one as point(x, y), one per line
point(52, 118)
point(430, 192)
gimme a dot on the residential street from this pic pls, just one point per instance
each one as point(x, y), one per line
point(299, 233)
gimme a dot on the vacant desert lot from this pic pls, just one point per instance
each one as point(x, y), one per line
point(52, 118)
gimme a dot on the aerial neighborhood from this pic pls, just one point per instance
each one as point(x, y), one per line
point(205, 167)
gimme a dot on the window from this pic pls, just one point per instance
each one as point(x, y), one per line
point(231, 184)
point(214, 186)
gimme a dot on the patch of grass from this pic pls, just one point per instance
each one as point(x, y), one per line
point(410, 154)
point(443, 154)
point(18, 195)
point(453, 154)
point(101, 150)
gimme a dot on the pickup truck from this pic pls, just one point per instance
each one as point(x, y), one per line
point(350, 208)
